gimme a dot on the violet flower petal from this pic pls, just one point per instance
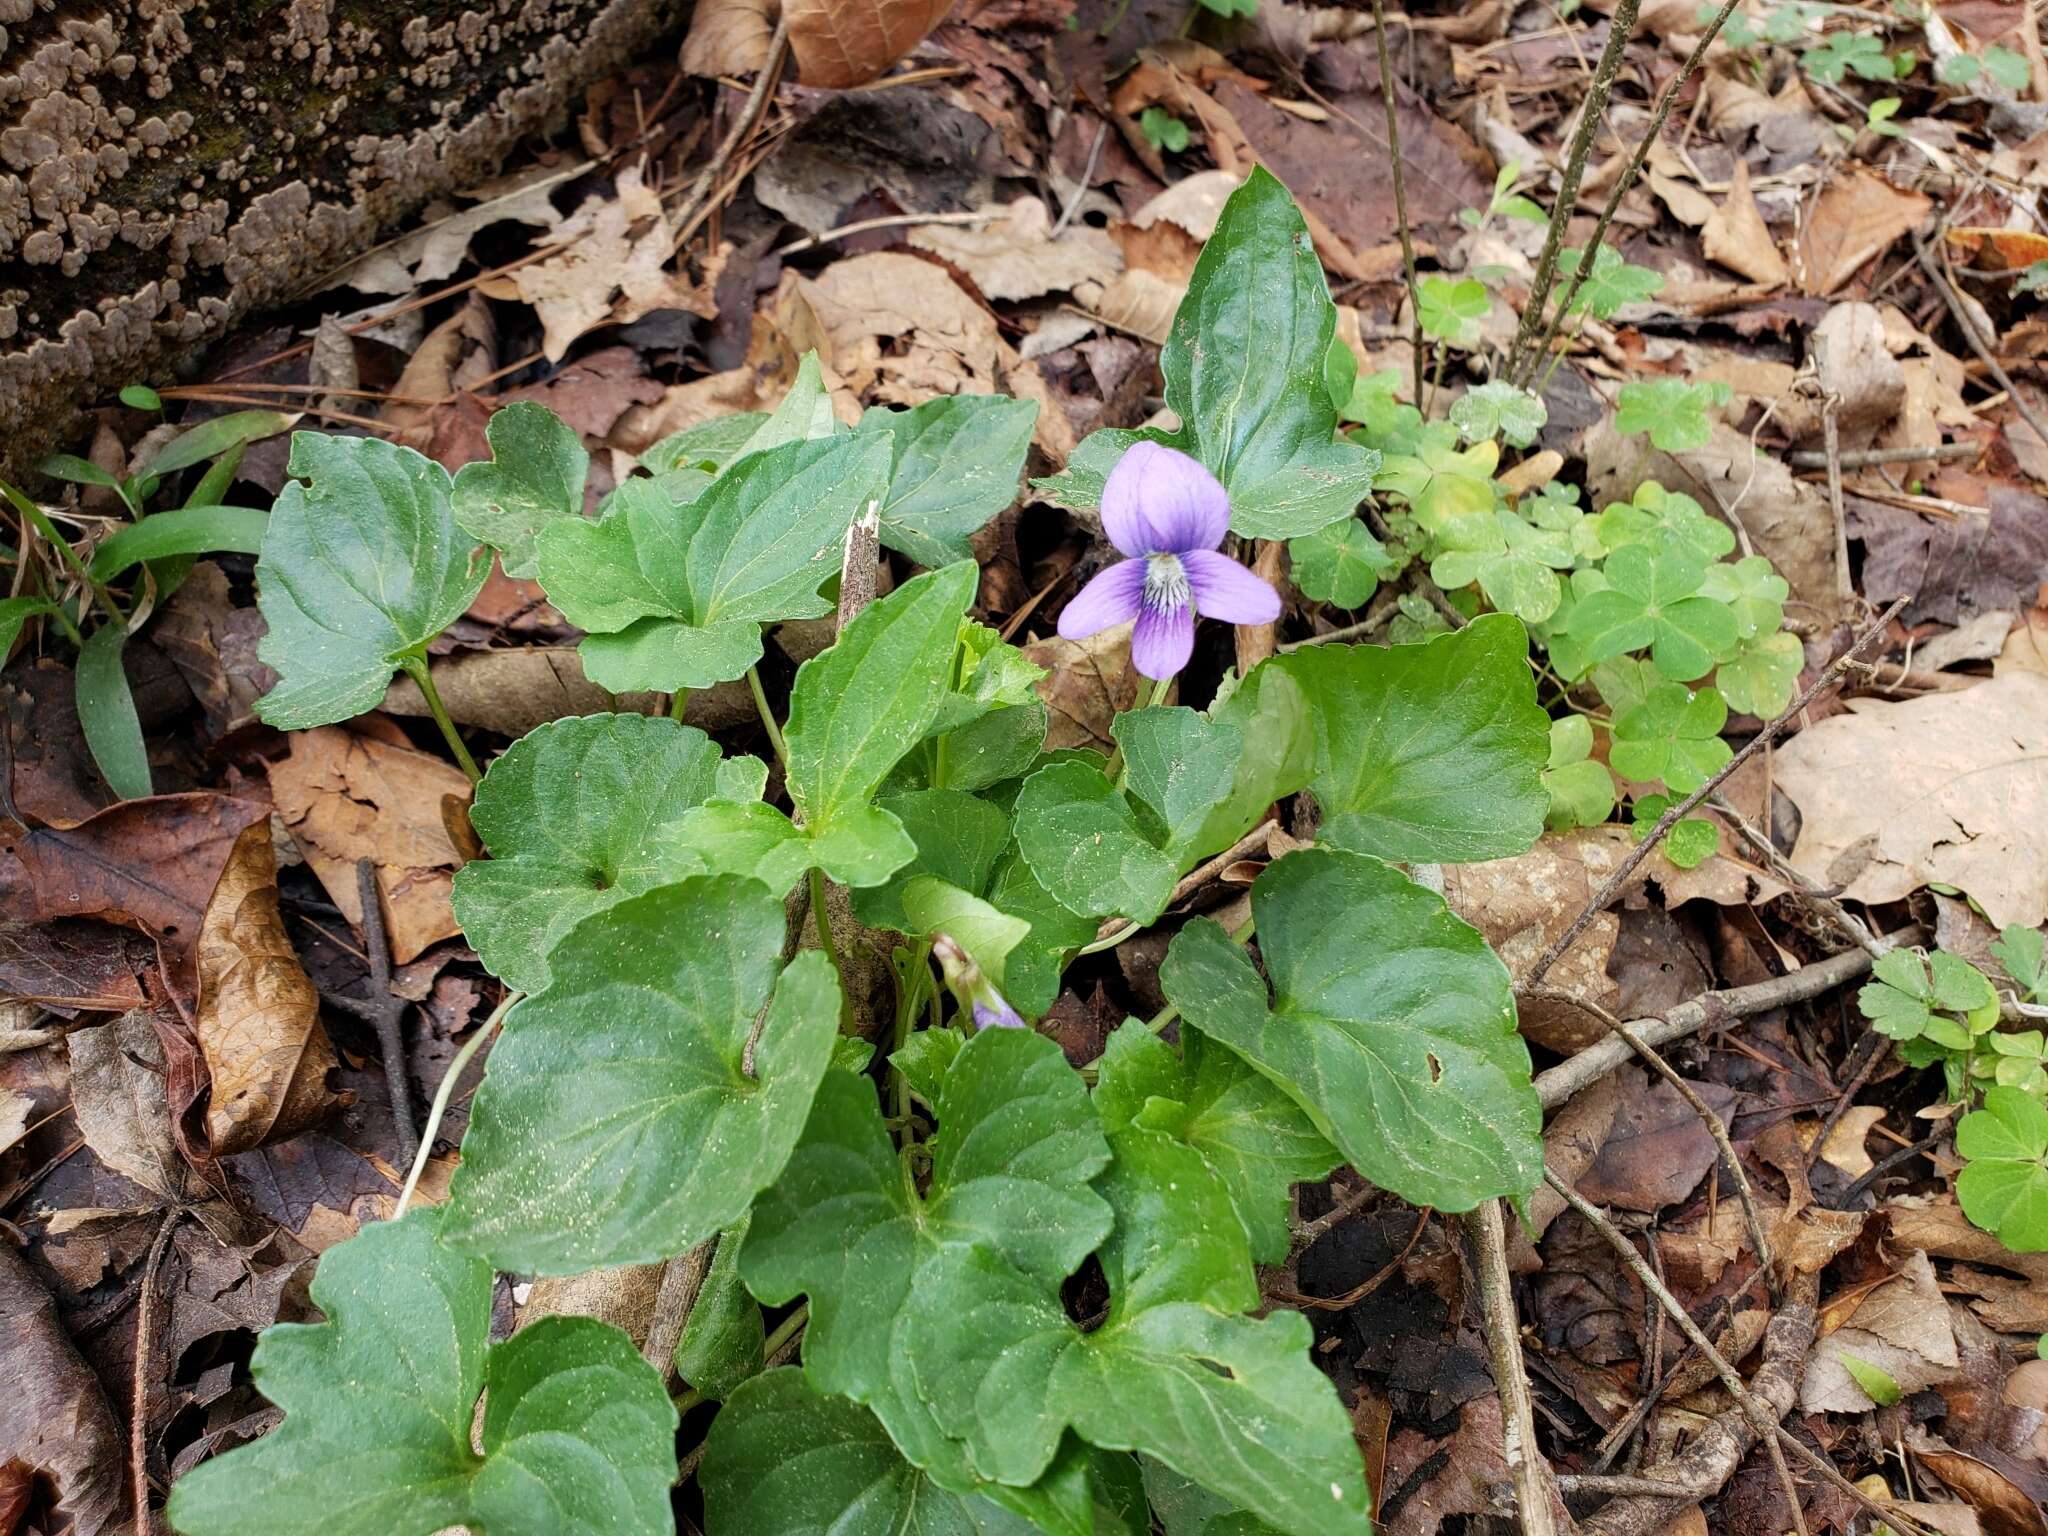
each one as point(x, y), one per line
point(997, 1014)
point(1225, 590)
point(1112, 597)
point(1183, 504)
point(1163, 640)
point(1123, 515)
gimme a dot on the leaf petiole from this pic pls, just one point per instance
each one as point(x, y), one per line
point(446, 1091)
point(415, 667)
point(774, 730)
point(823, 920)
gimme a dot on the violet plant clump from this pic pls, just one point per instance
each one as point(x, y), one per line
point(903, 1185)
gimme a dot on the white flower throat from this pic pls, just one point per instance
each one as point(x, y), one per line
point(1166, 583)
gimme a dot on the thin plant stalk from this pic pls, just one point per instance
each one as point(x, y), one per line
point(445, 1092)
point(1539, 296)
point(1379, 37)
point(823, 921)
point(417, 669)
point(767, 717)
point(1620, 29)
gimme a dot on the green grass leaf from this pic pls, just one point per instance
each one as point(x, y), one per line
point(186, 531)
point(2004, 1189)
point(576, 816)
point(106, 713)
point(618, 1122)
point(534, 477)
point(362, 565)
point(578, 1434)
point(1392, 1025)
point(1430, 751)
point(674, 591)
point(15, 612)
point(212, 438)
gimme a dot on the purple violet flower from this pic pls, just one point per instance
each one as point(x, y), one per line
point(1168, 514)
point(974, 991)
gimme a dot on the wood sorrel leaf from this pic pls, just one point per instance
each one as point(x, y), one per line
point(630, 1110)
point(1244, 370)
point(578, 1434)
point(2004, 1187)
point(1016, 1146)
point(784, 1460)
point(1652, 599)
point(674, 593)
point(857, 708)
point(1428, 752)
point(573, 815)
point(1175, 1372)
point(533, 477)
point(362, 565)
point(1341, 564)
point(1392, 1025)
point(1674, 736)
point(955, 465)
point(1251, 1135)
point(1085, 845)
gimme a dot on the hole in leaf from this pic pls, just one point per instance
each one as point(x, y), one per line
point(1436, 1068)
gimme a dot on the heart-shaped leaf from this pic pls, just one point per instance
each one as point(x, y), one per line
point(362, 565)
point(380, 1401)
point(1244, 367)
point(1431, 751)
point(1581, 789)
point(533, 477)
point(674, 592)
point(1672, 411)
point(1086, 846)
point(633, 1108)
point(1392, 1024)
point(1341, 564)
point(1653, 599)
point(1673, 736)
point(574, 815)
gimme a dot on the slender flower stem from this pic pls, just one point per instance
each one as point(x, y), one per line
point(825, 942)
point(1240, 935)
point(786, 1330)
point(445, 1092)
point(917, 977)
point(417, 669)
point(1379, 37)
point(678, 703)
point(767, 719)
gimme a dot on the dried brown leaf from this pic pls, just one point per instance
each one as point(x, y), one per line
point(1086, 684)
point(54, 1418)
point(1014, 255)
point(1856, 219)
point(119, 1095)
point(728, 37)
point(1901, 1326)
point(1737, 237)
point(839, 45)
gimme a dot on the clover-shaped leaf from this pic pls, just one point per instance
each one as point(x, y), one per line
point(533, 477)
point(633, 1108)
point(1759, 679)
point(1943, 998)
point(1612, 283)
point(1839, 53)
point(2004, 1188)
point(1498, 409)
point(1392, 1024)
point(1754, 592)
point(573, 815)
point(1655, 516)
point(577, 1433)
point(674, 592)
point(1674, 736)
point(1516, 569)
point(1248, 1132)
point(1383, 421)
point(1652, 599)
point(1691, 841)
point(1453, 311)
point(1016, 1146)
point(1672, 411)
point(1441, 483)
point(1581, 789)
point(362, 565)
point(1244, 372)
point(1341, 564)
point(1430, 751)
point(2024, 954)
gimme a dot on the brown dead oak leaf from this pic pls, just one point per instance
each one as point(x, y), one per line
point(1086, 684)
point(345, 797)
point(1015, 256)
point(1950, 788)
point(1856, 219)
point(54, 1418)
point(259, 1013)
point(950, 344)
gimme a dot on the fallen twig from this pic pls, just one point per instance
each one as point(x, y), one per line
point(1379, 38)
point(1527, 1470)
point(138, 1403)
point(701, 192)
point(1868, 458)
point(1803, 889)
point(1968, 327)
point(383, 1010)
point(1681, 808)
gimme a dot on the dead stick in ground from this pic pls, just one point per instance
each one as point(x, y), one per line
point(1867, 458)
point(1845, 586)
point(1646, 1504)
point(1526, 1467)
point(1757, 1413)
point(1678, 810)
point(750, 117)
point(1560, 1082)
point(1968, 327)
point(1803, 889)
point(1752, 1218)
point(1379, 38)
point(383, 1011)
point(138, 1401)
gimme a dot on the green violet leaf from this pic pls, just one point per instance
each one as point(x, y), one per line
point(362, 565)
point(632, 1109)
point(578, 1434)
point(533, 477)
point(955, 462)
point(1392, 1026)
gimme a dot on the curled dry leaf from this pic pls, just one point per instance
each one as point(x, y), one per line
point(949, 344)
point(1856, 219)
point(118, 1094)
point(727, 37)
point(1014, 255)
point(54, 1419)
point(1086, 683)
point(1901, 1327)
point(613, 244)
point(345, 797)
point(1844, 1148)
point(839, 45)
point(259, 1014)
point(1737, 237)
